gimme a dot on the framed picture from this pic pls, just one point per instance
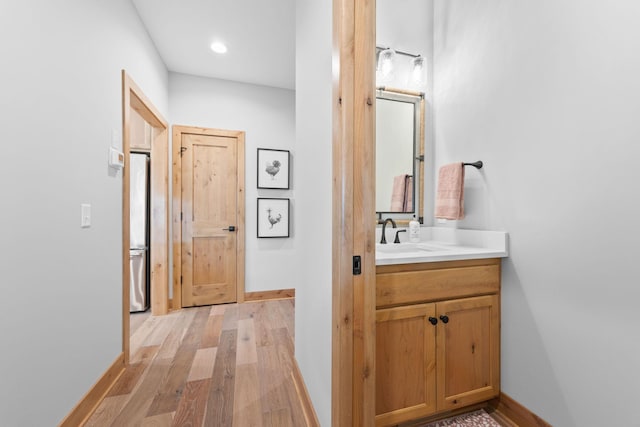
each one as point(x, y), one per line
point(273, 217)
point(273, 168)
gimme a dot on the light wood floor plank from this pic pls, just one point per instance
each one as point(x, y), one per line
point(108, 409)
point(226, 365)
point(137, 407)
point(173, 341)
point(211, 336)
point(170, 391)
point(128, 380)
point(284, 343)
point(273, 387)
point(246, 311)
point(143, 355)
point(162, 420)
point(263, 324)
point(276, 320)
point(203, 363)
point(162, 327)
point(192, 406)
point(230, 318)
point(277, 418)
point(246, 347)
point(247, 405)
point(221, 394)
point(137, 319)
point(288, 314)
point(218, 310)
point(142, 333)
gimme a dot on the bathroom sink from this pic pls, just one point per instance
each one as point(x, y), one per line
point(404, 248)
point(442, 244)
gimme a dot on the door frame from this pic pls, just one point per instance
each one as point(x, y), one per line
point(134, 99)
point(178, 130)
point(354, 329)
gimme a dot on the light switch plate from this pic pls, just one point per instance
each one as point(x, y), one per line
point(85, 212)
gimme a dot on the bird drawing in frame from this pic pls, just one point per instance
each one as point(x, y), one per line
point(273, 168)
point(273, 220)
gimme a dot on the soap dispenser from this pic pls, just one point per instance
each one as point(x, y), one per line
point(414, 230)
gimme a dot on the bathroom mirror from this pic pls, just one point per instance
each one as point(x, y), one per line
point(399, 154)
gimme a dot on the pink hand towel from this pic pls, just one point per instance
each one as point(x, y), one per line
point(397, 193)
point(408, 194)
point(450, 193)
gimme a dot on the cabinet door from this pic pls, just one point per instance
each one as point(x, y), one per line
point(405, 364)
point(468, 345)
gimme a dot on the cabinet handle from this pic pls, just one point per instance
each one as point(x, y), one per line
point(433, 320)
point(444, 318)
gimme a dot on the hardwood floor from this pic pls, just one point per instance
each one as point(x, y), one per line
point(224, 365)
point(137, 319)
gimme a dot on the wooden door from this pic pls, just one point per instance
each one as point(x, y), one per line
point(468, 345)
point(405, 363)
point(210, 200)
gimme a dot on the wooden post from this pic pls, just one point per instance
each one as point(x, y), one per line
point(353, 394)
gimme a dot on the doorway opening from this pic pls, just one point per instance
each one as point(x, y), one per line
point(144, 131)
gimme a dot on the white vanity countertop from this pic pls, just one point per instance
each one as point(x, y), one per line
point(441, 244)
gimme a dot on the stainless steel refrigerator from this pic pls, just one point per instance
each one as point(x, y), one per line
point(139, 211)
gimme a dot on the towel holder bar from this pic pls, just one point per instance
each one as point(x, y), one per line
point(477, 165)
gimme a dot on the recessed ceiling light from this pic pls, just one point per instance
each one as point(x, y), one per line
point(218, 47)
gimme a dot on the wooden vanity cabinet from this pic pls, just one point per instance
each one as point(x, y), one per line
point(438, 350)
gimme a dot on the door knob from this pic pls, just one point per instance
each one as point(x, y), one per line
point(433, 320)
point(444, 318)
point(231, 228)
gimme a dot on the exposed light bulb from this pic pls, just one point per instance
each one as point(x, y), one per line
point(385, 64)
point(418, 66)
point(218, 47)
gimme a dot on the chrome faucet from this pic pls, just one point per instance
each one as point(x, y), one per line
point(384, 227)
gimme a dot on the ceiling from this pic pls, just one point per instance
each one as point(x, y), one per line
point(259, 34)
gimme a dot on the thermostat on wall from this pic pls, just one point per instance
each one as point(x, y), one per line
point(116, 158)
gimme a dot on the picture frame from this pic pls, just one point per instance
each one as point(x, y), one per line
point(273, 217)
point(273, 168)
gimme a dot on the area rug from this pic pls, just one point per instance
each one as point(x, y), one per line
point(473, 419)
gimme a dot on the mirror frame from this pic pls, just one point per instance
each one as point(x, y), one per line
point(417, 98)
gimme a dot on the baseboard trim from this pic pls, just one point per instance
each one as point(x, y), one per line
point(303, 394)
point(516, 412)
point(89, 403)
point(269, 295)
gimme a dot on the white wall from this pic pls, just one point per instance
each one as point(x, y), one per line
point(267, 115)
point(312, 262)
point(61, 320)
point(547, 94)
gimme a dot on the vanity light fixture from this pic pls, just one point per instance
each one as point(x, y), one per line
point(387, 64)
point(384, 70)
point(218, 47)
point(418, 65)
